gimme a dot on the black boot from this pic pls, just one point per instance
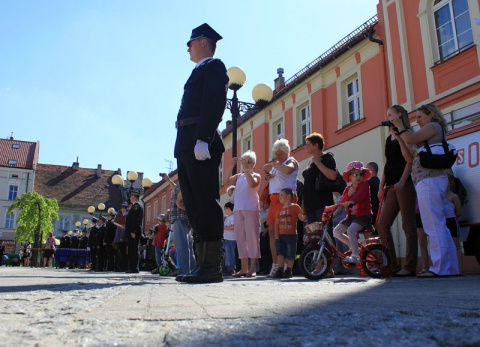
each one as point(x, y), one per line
point(198, 252)
point(209, 270)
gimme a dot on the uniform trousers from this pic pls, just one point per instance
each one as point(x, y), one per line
point(431, 196)
point(403, 201)
point(132, 246)
point(247, 233)
point(200, 185)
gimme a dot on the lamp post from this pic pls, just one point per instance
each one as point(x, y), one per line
point(78, 224)
point(85, 222)
point(101, 208)
point(132, 176)
point(261, 93)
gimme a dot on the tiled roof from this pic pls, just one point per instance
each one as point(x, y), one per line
point(18, 154)
point(77, 189)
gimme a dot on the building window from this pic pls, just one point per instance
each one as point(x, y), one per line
point(304, 124)
point(247, 144)
point(352, 99)
point(14, 175)
point(12, 162)
point(12, 192)
point(155, 208)
point(9, 221)
point(277, 128)
point(453, 27)
point(164, 203)
point(16, 146)
point(63, 223)
point(149, 210)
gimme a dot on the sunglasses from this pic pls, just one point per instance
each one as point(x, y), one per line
point(356, 174)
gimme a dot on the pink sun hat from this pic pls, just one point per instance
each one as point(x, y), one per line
point(356, 165)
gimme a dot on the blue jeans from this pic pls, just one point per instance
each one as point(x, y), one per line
point(229, 246)
point(184, 247)
point(158, 255)
point(286, 246)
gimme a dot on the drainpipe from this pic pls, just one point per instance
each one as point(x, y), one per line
point(382, 50)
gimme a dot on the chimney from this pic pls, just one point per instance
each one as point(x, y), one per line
point(76, 165)
point(280, 80)
point(99, 171)
point(229, 123)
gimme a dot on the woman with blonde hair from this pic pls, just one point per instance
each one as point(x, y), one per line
point(280, 173)
point(431, 185)
point(246, 213)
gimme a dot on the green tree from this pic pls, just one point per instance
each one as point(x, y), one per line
point(35, 221)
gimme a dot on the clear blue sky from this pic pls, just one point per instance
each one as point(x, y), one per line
point(102, 80)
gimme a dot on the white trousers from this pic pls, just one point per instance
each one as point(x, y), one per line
point(431, 196)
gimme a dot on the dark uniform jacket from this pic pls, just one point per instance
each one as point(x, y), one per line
point(92, 237)
point(110, 232)
point(204, 98)
point(83, 242)
point(74, 241)
point(100, 235)
point(133, 223)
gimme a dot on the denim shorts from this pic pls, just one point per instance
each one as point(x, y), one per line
point(286, 246)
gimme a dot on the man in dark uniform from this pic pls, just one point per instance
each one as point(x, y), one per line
point(198, 149)
point(83, 244)
point(100, 244)
point(133, 230)
point(74, 239)
point(92, 244)
point(108, 241)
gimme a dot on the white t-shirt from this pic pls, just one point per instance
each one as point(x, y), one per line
point(229, 234)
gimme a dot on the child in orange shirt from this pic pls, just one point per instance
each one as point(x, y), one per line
point(161, 233)
point(286, 233)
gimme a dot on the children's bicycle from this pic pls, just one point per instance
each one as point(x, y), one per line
point(316, 259)
point(166, 263)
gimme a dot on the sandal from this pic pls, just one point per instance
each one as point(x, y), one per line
point(251, 274)
point(422, 271)
point(239, 274)
point(428, 274)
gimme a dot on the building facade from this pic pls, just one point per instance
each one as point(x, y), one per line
point(18, 162)
point(75, 189)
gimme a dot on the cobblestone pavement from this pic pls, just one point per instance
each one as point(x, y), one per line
point(53, 307)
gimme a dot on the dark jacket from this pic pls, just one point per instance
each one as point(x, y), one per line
point(133, 223)
point(110, 232)
point(204, 98)
point(92, 237)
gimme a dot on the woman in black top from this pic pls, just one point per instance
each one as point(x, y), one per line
point(315, 201)
point(401, 198)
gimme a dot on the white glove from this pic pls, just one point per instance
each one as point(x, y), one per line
point(201, 151)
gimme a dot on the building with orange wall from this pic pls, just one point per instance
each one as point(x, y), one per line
point(410, 53)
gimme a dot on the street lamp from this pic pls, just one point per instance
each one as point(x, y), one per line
point(85, 222)
point(132, 176)
point(261, 93)
point(78, 224)
point(101, 207)
point(91, 210)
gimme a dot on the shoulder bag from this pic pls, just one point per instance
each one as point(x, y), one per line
point(437, 156)
point(323, 184)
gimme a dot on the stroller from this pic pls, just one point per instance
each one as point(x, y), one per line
point(166, 263)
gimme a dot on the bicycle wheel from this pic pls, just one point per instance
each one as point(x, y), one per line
point(311, 269)
point(163, 269)
point(375, 261)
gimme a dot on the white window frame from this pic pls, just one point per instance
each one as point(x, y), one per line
point(351, 115)
point(63, 223)
point(9, 221)
point(278, 131)
point(247, 144)
point(451, 26)
point(164, 203)
point(155, 208)
point(303, 123)
point(12, 190)
point(149, 212)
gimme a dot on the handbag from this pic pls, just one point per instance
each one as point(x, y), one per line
point(323, 184)
point(437, 156)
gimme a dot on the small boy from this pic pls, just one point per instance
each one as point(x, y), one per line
point(229, 240)
point(286, 232)
point(161, 233)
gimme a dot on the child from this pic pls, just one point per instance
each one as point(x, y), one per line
point(359, 216)
point(453, 211)
point(161, 233)
point(286, 232)
point(229, 242)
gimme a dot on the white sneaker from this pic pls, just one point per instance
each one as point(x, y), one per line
point(352, 259)
point(272, 271)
